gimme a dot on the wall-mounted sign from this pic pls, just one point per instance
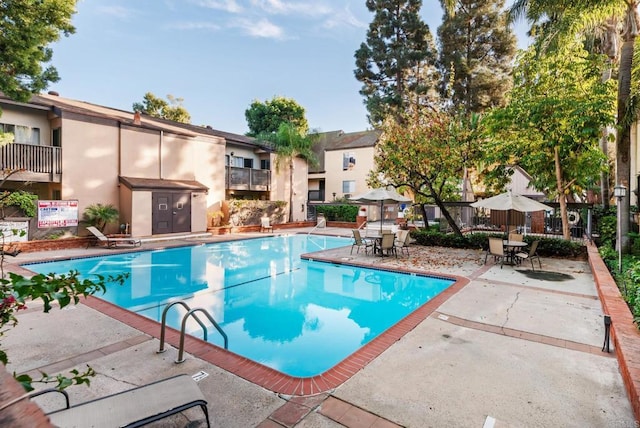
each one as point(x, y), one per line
point(57, 213)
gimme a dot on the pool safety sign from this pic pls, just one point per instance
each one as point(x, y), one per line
point(57, 213)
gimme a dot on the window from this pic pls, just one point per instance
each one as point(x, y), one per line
point(237, 161)
point(248, 163)
point(265, 164)
point(348, 160)
point(348, 186)
point(22, 134)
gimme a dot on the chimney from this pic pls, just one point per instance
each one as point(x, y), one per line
point(136, 118)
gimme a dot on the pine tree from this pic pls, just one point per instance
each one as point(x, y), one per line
point(477, 49)
point(397, 63)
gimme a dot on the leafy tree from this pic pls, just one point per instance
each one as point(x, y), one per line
point(157, 107)
point(266, 117)
point(396, 64)
point(556, 21)
point(99, 215)
point(27, 28)
point(427, 152)
point(552, 125)
point(16, 291)
point(477, 49)
point(290, 143)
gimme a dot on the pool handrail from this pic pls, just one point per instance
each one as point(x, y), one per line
point(184, 325)
point(164, 322)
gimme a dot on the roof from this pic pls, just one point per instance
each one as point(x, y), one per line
point(50, 101)
point(134, 183)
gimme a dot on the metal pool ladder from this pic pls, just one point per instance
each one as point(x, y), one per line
point(190, 312)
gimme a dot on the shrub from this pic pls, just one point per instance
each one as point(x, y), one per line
point(547, 246)
point(24, 200)
point(346, 212)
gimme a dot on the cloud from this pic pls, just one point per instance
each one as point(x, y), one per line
point(279, 7)
point(116, 11)
point(262, 28)
point(345, 18)
point(194, 26)
point(230, 6)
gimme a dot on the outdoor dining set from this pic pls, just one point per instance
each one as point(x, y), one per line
point(511, 250)
point(383, 244)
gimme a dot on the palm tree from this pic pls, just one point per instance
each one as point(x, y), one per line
point(99, 215)
point(290, 143)
point(557, 19)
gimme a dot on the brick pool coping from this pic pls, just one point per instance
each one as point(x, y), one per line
point(274, 380)
point(624, 332)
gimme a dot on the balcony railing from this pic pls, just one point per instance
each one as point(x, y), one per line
point(33, 163)
point(247, 179)
point(316, 195)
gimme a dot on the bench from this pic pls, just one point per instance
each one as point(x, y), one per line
point(134, 407)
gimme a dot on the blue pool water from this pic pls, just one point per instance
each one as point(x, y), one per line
point(297, 316)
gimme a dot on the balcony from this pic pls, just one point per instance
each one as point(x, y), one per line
point(247, 179)
point(315, 196)
point(32, 163)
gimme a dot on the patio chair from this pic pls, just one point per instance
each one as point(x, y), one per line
point(265, 225)
point(532, 254)
point(402, 241)
point(496, 249)
point(516, 237)
point(113, 242)
point(359, 242)
point(133, 407)
point(388, 244)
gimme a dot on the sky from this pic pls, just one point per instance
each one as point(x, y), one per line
point(221, 55)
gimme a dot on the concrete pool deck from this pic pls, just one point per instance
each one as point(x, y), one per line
point(510, 348)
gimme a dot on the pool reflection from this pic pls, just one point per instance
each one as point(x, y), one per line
point(276, 308)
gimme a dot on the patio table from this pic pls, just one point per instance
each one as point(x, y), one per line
point(511, 247)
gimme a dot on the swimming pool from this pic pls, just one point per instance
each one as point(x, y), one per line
point(296, 316)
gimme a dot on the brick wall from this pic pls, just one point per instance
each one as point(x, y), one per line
point(624, 333)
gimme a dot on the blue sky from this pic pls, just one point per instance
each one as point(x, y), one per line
point(220, 55)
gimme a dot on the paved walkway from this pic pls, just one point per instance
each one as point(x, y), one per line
point(511, 348)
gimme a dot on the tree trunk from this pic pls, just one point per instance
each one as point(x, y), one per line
point(623, 140)
point(446, 215)
point(291, 190)
point(561, 197)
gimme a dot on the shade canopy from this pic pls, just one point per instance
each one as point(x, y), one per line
point(380, 197)
point(508, 201)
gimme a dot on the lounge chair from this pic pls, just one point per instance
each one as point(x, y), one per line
point(133, 407)
point(113, 242)
point(532, 254)
point(359, 242)
point(265, 225)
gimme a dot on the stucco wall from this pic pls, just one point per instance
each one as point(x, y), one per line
point(280, 185)
point(335, 175)
point(141, 219)
point(89, 163)
point(208, 169)
point(31, 118)
point(140, 153)
point(177, 157)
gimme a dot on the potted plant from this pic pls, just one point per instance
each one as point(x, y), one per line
point(216, 218)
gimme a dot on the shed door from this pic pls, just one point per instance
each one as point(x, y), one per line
point(171, 212)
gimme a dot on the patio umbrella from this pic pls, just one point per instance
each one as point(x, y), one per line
point(380, 196)
point(508, 201)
